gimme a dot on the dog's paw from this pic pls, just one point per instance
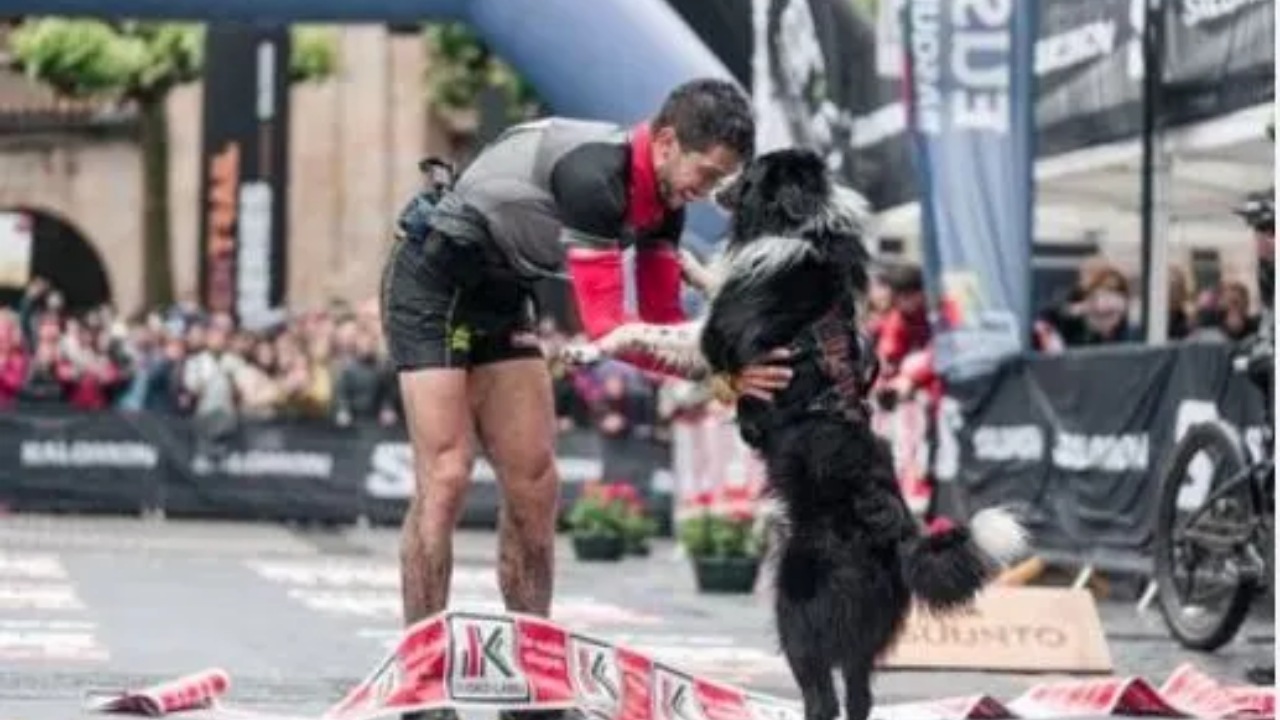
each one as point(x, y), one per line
point(581, 354)
point(623, 338)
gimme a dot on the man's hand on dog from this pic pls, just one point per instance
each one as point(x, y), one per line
point(696, 274)
point(766, 376)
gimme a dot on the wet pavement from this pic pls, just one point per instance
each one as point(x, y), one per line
point(297, 618)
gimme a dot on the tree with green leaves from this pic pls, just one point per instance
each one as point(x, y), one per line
point(138, 64)
point(462, 66)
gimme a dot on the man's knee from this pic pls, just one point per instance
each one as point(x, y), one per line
point(531, 489)
point(442, 483)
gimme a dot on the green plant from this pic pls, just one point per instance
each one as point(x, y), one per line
point(712, 535)
point(462, 66)
point(599, 510)
point(638, 527)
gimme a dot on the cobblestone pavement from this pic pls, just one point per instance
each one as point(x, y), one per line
point(296, 617)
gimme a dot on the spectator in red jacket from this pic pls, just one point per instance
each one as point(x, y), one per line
point(13, 361)
point(905, 328)
point(86, 373)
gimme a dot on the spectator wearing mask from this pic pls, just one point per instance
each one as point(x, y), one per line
point(13, 361)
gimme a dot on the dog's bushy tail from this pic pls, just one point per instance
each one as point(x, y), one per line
point(946, 569)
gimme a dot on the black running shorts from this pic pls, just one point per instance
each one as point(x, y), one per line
point(445, 307)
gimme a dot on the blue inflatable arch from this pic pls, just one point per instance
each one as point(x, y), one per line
point(601, 59)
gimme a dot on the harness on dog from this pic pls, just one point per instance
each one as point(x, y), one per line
point(833, 367)
point(849, 364)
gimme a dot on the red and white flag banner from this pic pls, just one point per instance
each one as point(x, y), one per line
point(1198, 695)
point(516, 662)
point(502, 661)
point(1093, 698)
point(189, 692)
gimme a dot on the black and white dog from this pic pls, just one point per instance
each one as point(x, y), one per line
point(851, 559)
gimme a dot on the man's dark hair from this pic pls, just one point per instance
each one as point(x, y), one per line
point(709, 112)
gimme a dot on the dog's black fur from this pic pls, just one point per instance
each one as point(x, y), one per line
point(851, 557)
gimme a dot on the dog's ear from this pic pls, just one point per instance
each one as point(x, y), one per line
point(798, 203)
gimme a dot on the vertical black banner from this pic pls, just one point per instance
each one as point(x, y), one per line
point(245, 171)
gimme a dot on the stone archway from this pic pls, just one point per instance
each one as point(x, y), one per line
point(62, 255)
point(84, 194)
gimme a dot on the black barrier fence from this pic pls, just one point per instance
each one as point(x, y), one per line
point(1077, 441)
point(1074, 441)
point(127, 463)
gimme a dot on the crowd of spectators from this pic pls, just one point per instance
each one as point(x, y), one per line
point(329, 364)
point(1099, 310)
point(326, 365)
point(180, 360)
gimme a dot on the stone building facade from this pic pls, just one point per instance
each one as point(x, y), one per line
point(355, 140)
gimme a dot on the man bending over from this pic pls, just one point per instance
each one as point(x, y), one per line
point(546, 197)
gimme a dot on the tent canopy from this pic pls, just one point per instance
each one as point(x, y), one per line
point(1096, 193)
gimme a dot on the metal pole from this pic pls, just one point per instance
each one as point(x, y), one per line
point(1155, 182)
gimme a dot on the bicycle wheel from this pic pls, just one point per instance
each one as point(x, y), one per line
point(1184, 565)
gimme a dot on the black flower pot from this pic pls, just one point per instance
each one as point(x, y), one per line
point(599, 548)
point(735, 575)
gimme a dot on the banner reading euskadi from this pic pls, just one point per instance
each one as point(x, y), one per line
point(971, 116)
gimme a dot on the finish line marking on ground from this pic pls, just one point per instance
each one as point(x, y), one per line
point(503, 661)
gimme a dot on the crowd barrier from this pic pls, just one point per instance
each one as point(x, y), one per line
point(59, 460)
point(1077, 441)
point(1074, 442)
